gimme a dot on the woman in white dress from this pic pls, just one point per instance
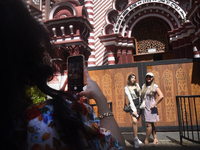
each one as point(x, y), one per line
point(133, 91)
point(150, 114)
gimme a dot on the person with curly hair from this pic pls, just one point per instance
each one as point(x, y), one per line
point(57, 123)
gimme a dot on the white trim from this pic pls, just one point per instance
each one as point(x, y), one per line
point(89, 5)
point(88, 0)
point(91, 59)
point(91, 41)
point(92, 22)
point(91, 34)
point(90, 10)
point(91, 16)
point(114, 3)
point(92, 46)
point(109, 43)
point(111, 58)
point(91, 65)
point(111, 38)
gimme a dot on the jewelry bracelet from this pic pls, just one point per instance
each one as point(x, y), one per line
point(107, 114)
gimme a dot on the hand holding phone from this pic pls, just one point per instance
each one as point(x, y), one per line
point(75, 73)
point(92, 90)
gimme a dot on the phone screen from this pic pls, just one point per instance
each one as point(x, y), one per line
point(75, 73)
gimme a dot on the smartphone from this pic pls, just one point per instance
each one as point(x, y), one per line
point(75, 66)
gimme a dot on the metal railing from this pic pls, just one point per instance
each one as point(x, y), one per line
point(188, 108)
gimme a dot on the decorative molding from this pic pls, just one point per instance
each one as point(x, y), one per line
point(141, 2)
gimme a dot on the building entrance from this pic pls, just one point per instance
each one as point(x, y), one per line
point(151, 37)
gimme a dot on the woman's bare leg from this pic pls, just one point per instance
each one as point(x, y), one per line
point(154, 134)
point(148, 132)
point(135, 126)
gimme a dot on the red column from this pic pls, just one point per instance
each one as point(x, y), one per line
point(129, 55)
point(124, 60)
point(111, 54)
point(196, 53)
point(119, 55)
point(175, 46)
point(182, 48)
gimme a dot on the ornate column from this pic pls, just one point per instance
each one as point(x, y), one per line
point(111, 54)
point(69, 30)
point(43, 10)
point(124, 47)
point(196, 53)
point(124, 59)
point(119, 48)
point(129, 53)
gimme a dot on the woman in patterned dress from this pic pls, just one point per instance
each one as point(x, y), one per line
point(150, 113)
point(59, 124)
point(133, 91)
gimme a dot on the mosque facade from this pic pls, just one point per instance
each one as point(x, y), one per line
point(109, 32)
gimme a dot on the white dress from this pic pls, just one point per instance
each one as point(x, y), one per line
point(150, 115)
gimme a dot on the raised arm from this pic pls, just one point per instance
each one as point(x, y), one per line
point(94, 92)
point(159, 97)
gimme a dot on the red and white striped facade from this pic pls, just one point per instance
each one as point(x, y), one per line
point(111, 41)
point(91, 42)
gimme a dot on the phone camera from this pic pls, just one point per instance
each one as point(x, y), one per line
point(75, 88)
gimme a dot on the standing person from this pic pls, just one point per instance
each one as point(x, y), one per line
point(132, 91)
point(150, 113)
point(53, 124)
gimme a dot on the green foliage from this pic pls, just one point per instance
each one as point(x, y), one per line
point(35, 94)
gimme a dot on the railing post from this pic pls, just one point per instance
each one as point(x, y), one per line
point(196, 118)
point(191, 118)
point(179, 118)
